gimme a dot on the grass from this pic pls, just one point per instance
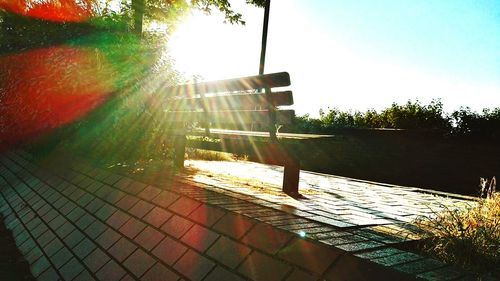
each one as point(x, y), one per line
point(467, 237)
point(208, 155)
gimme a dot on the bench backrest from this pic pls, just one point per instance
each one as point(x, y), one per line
point(235, 102)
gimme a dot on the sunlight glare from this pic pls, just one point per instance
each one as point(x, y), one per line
point(204, 47)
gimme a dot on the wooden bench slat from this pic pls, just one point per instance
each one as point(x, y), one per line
point(237, 117)
point(226, 102)
point(280, 79)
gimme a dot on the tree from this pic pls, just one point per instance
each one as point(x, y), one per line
point(169, 10)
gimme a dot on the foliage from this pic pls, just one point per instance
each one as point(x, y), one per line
point(468, 237)
point(208, 155)
point(170, 11)
point(469, 123)
point(412, 115)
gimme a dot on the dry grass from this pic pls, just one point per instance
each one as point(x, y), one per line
point(468, 237)
point(208, 155)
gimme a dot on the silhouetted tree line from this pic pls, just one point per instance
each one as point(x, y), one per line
point(412, 115)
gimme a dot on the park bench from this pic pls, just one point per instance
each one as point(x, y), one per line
point(200, 110)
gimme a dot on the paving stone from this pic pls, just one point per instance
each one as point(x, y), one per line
point(199, 237)
point(176, 226)
point(60, 202)
point(61, 257)
point(114, 196)
point(39, 230)
point(29, 215)
point(105, 212)
point(111, 271)
point(85, 199)
point(122, 249)
point(149, 238)
point(221, 274)
point(74, 238)
point(359, 246)
point(165, 198)
point(266, 238)
point(300, 275)
point(194, 265)
point(85, 247)
point(84, 276)
point(402, 257)
point(157, 217)
point(112, 179)
point(103, 191)
point(32, 224)
point(45, 238)
point(34, 254)
point(419, 266)
point(76, 194)
point(207, 215)
point(67, 208)
point(117, 219)
point(95, 260)
point(149, 193)
point(132, 227)
point(228, 252)
point(380, 253)
point(85, 221)
point(169, 250)
point(235, 226)
point(48, 275)
point(184, 206)
point(65, 229)
point(108, 238)
point(75, 214)
point(39, 266)
point(43, 209)
point(122, 183)
point(27, 246)
point(21, 237)
point(135, 187)
point(95, 205)
point(71, 269)
point(261, 267)
point(94, 186)
point(349, 267)
point(127, 202)
point(141, 208)
point(57, 222)
point(53, 247)
point(52, 198)
point(160, 273)
point(336, 241)
point(309, 255)
point(333, 222)
point(95, 229)
point(128, 277)
point(139, 262)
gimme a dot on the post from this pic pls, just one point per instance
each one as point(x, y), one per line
point(270, 106)
point(264, 37)
point(180, 150)
point(291, 175)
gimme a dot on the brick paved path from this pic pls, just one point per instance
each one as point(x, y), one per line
point(75, 222)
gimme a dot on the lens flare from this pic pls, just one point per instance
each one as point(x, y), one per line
point(51, 10)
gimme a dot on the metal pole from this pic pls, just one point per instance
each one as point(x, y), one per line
point(264, 37)
point(270, 107)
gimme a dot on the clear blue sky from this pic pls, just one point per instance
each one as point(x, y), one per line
point(358, 54)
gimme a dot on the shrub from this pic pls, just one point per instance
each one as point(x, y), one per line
point(468, 237)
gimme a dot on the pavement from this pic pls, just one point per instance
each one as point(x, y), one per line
point(73, 221)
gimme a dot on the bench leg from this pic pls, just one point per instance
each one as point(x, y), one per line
point(291, 177)
point(180, 150)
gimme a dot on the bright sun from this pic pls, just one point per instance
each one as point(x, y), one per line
point(203, 46)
